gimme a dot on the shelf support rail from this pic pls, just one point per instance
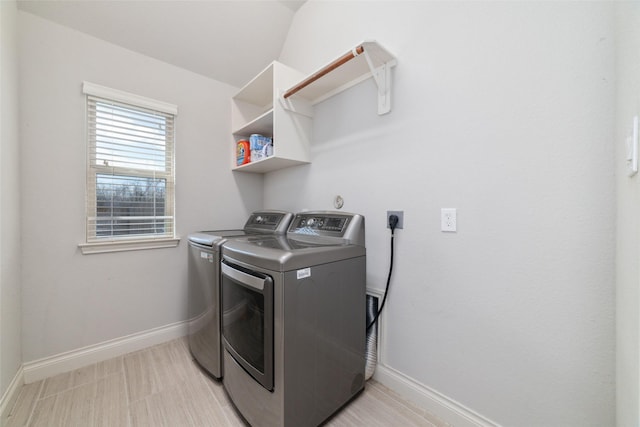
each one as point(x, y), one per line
point(381, 75)
point(324, 71)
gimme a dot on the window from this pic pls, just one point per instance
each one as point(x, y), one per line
point(130, 173)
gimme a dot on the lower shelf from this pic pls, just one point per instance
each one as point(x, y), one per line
point(269, 164)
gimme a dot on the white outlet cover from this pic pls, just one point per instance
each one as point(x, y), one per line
point(632, 149)
point(448, 220)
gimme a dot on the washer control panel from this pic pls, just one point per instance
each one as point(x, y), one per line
point(271, 221)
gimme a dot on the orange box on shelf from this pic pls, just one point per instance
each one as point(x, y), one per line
point(243, 152)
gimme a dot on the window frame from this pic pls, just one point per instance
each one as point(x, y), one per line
point(94, 244)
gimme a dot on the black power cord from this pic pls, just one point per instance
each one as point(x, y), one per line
point(393, 223)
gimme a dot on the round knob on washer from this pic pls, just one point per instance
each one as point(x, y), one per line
point(259, 219)
point(310, 222)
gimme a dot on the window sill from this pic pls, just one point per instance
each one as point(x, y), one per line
point(127, 245)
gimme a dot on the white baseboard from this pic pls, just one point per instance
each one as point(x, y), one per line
point(74, 359)
point(10, 395)
point(437, 404)
point(433, 402)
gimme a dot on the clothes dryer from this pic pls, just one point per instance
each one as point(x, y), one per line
point(293, 320)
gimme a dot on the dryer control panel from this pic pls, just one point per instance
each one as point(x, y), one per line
point(346, 226)
point(319, 223)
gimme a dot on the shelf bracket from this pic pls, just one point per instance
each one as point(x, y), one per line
point(382, 77)
point(294, 105)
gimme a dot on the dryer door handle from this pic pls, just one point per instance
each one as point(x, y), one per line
point(243, 278)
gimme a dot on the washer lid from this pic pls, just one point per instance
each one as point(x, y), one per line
point(259, 222)
point(214, 237)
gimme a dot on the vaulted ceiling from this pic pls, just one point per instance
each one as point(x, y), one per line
point(230, 41)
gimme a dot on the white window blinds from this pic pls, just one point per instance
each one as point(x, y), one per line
point(130, 182)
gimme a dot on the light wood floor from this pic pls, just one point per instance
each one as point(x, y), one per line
point(162, 386)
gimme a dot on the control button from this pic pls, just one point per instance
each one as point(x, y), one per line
point(259, 219)
point(310, 222)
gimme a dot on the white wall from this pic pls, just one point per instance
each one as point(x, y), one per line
point(70, 300)
point(628, 217)
point(503, 110)
point(10, 318)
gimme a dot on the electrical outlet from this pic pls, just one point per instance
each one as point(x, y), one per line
point(448, 220)
point(399, 214)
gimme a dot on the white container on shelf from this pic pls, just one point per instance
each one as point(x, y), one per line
point(259, 144)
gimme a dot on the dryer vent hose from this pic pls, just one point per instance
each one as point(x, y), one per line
point(372, 338)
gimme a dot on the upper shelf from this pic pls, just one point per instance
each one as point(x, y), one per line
point(367, 59)
point(258, 91)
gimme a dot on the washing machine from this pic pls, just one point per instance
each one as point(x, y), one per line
point(204, 283)
point(293, 320)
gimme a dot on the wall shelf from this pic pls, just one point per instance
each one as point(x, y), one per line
point(253, 111)
point(263, 124)
point(289, 121)
point(269, 164)
point(368, 59)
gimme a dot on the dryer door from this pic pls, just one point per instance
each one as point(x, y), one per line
point(247, 320)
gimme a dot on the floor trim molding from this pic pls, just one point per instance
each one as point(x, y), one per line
point(74, 359)
point(10, 395)
point(433, 402)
